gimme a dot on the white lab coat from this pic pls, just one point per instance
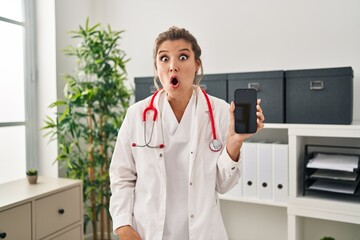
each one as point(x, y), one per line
point(138, 177)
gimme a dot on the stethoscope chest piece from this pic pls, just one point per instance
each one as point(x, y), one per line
point(215, 145)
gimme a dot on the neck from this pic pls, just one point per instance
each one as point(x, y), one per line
point(178, 105)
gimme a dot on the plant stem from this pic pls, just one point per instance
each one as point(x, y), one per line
point(91, 173)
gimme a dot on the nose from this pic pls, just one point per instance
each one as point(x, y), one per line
point(173, 66)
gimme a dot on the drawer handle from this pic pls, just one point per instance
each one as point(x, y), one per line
point(61, 211)
point(254, 85)
point(316, 85)
point(2, 235)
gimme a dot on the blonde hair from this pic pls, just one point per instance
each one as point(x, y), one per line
point(175, 33)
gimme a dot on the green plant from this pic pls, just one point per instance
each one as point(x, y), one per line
point(31, 172)
point(327, 238)
point(96, 100)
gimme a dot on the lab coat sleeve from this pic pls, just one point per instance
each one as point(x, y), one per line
point(122, 177)
point(228, 171)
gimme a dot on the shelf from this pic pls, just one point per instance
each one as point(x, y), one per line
point(327, 127)
point(253, 201)
point(325, 209)
point(302, 211)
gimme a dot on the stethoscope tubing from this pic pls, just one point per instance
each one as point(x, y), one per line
point(212, 122)
point(215, 145)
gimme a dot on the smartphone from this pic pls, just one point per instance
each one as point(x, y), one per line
point(245, 110)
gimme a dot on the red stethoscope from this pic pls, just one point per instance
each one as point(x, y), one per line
point(215, 144)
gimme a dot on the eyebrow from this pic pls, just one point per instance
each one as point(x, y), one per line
point(183, 49)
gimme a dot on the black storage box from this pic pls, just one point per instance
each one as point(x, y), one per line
point(319, 96)
point(214, 84)
point(144, 87)
point(270, 89)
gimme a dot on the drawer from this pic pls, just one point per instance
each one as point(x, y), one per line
point(16, 222)
point(57, 211)
point(71, 234)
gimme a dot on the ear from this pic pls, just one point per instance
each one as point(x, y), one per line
point(198, 64)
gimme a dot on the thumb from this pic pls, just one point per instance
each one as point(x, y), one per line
point(232, 118)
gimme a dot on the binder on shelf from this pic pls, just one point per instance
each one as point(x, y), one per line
point(250, 151)
point(334, 171)
point(265, 171)
point(280, 172)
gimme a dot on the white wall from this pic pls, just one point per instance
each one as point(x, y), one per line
point(69, 16)
point(46, 77)
point(235, 35)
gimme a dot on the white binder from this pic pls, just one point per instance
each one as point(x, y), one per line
point(249, 151)
point(265, 171)
point(280, 180)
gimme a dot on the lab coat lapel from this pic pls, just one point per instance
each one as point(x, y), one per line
point(158, 132)
point(201, 115)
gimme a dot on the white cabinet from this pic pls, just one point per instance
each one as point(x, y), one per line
point(302, 217)
point(50, 209)
point(15, 223)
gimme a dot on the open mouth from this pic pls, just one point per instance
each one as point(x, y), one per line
point(174, 82)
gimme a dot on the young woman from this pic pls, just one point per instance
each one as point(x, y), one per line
point(175, 151)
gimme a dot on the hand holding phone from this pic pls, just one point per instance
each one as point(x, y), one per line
point(245, 110)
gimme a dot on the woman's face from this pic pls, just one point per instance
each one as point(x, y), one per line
point(176, 68)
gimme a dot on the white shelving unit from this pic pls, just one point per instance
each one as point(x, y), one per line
point(302, 217)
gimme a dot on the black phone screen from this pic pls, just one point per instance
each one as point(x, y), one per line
point(245, 110)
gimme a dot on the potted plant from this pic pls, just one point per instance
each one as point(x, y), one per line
point(32, 175)
point(89, 117)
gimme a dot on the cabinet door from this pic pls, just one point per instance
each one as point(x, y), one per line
point(57, 211)
point(16, 222)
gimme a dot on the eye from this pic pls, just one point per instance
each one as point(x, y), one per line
point(183, 57)
point(164, 58)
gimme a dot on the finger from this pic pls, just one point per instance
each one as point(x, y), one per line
point(258, 107)
point(232, 118)
point(260, 116)
point(260, 124)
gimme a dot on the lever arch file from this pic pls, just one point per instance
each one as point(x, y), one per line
point(250, 166)
point(280, 172)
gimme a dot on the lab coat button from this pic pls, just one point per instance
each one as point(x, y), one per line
point(190, 183)
point(192, 216)
point(232, 168)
